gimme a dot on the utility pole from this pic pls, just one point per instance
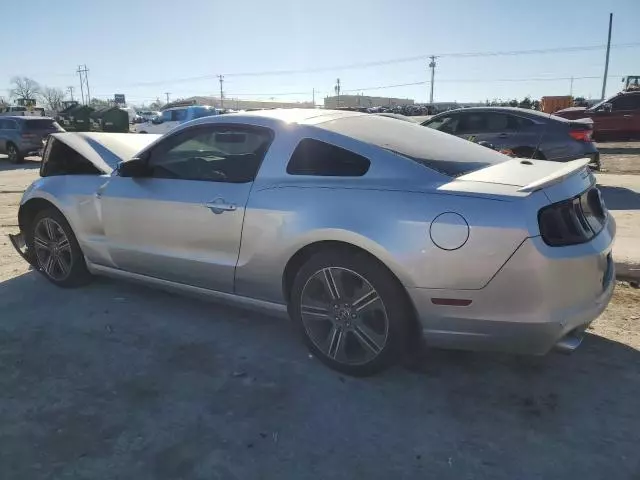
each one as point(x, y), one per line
point(221, 79)
point(313, 98)
point(84, 83)
point(70, 90)
point(571, 88)
point(337, 90)
point(606, 62)
point(167, 95)
point(432, 66)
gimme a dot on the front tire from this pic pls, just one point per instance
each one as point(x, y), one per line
point(352, 312)
point(57, 252)
point(14, 154)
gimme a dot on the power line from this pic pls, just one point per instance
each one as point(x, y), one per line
point(388, 62)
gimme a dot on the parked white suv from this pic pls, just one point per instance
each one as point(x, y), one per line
point(173, 117)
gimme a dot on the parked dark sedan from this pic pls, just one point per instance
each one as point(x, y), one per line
point(521, 132)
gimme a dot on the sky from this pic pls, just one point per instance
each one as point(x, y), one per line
point(144, 48)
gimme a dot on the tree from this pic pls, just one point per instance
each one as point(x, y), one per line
point(98, 103)
point(24, 87)
point(525, 103)
point(3, 102)
point(157, 105)
point(535, 104)
point(513, 103)
point(52, 98)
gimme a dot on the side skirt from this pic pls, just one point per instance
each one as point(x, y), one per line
point(262, 306)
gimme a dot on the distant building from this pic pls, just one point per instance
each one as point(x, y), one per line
point(364, 101)
point(238, 104)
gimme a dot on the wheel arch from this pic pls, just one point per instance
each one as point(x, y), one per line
point(28, 211)
point(306, 252)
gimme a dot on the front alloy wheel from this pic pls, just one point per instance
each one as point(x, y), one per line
point(53, 249)
point(13, 154)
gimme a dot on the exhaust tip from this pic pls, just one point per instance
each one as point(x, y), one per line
point(568, 343)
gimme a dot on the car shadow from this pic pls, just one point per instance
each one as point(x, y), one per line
point(620, 198)
point(87, 370)
point(29, 163)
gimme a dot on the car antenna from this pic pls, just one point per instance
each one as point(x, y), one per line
point(544, 131)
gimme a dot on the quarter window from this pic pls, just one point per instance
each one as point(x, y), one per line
point(313, 157)
point(215, 154)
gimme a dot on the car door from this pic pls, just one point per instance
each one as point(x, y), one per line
point(182, 219)
point(623, 117)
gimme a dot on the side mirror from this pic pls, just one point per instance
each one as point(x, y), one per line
point(136, 167)
point(156, 120)
point(607, 107)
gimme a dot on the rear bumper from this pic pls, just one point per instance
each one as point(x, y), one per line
point(541, 297)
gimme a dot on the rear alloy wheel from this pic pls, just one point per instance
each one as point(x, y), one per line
point(351, 312)
point(13, 154)
point(57, 252)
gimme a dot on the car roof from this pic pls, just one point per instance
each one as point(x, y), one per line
point(525, 112)
point(24, 118)
point(303, 116)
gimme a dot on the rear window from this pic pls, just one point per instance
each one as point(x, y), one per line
point(439, 151)
point(41, 124)
point(313, 157)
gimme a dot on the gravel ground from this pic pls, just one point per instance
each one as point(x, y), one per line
point(120, 381)
point(620, 157)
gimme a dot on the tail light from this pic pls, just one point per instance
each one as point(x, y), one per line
point(581, 135)
point(573, 221)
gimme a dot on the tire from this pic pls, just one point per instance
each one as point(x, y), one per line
point(14, 154)
point(51, 228)
point(362, 345)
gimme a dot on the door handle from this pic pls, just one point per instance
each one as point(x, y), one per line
point(627, 116)
point(503, 135)
point(219, 205)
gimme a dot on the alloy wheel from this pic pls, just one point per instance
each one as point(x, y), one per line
point(12, 153)
point(344, 316)
point(53, 249)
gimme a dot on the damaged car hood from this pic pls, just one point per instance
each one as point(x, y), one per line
point(106, 150)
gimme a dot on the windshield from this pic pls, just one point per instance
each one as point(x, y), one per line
point(43, 124)
point(439, 151)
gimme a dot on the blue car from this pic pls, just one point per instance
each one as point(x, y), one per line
point(23, 136)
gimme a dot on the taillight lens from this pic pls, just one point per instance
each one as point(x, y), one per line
point(573, 221)
point(581, 135)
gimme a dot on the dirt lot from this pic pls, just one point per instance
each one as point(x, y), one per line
point(620, 157)
point(120, 381)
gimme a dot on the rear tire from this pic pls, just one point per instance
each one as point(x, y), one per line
point(352, 313)
point(57, 252)
point(14, 154)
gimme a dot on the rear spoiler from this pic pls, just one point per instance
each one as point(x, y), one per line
point(567, 170)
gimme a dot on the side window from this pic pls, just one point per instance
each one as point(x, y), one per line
point(518, 123)
point(446, 123)
point(215, 154)
point(500, 122)
point(166, 115)
point(179, 115)
point(626, 102)
point(472, 123)
point(313, 157)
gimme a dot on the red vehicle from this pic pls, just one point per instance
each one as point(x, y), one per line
point(618, 116)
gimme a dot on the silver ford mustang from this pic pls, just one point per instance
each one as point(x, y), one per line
point(369, 232)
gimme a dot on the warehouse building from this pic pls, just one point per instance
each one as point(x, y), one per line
point(238, 104)
point(364, 101)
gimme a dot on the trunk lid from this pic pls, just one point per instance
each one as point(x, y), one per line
point(559, 181)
